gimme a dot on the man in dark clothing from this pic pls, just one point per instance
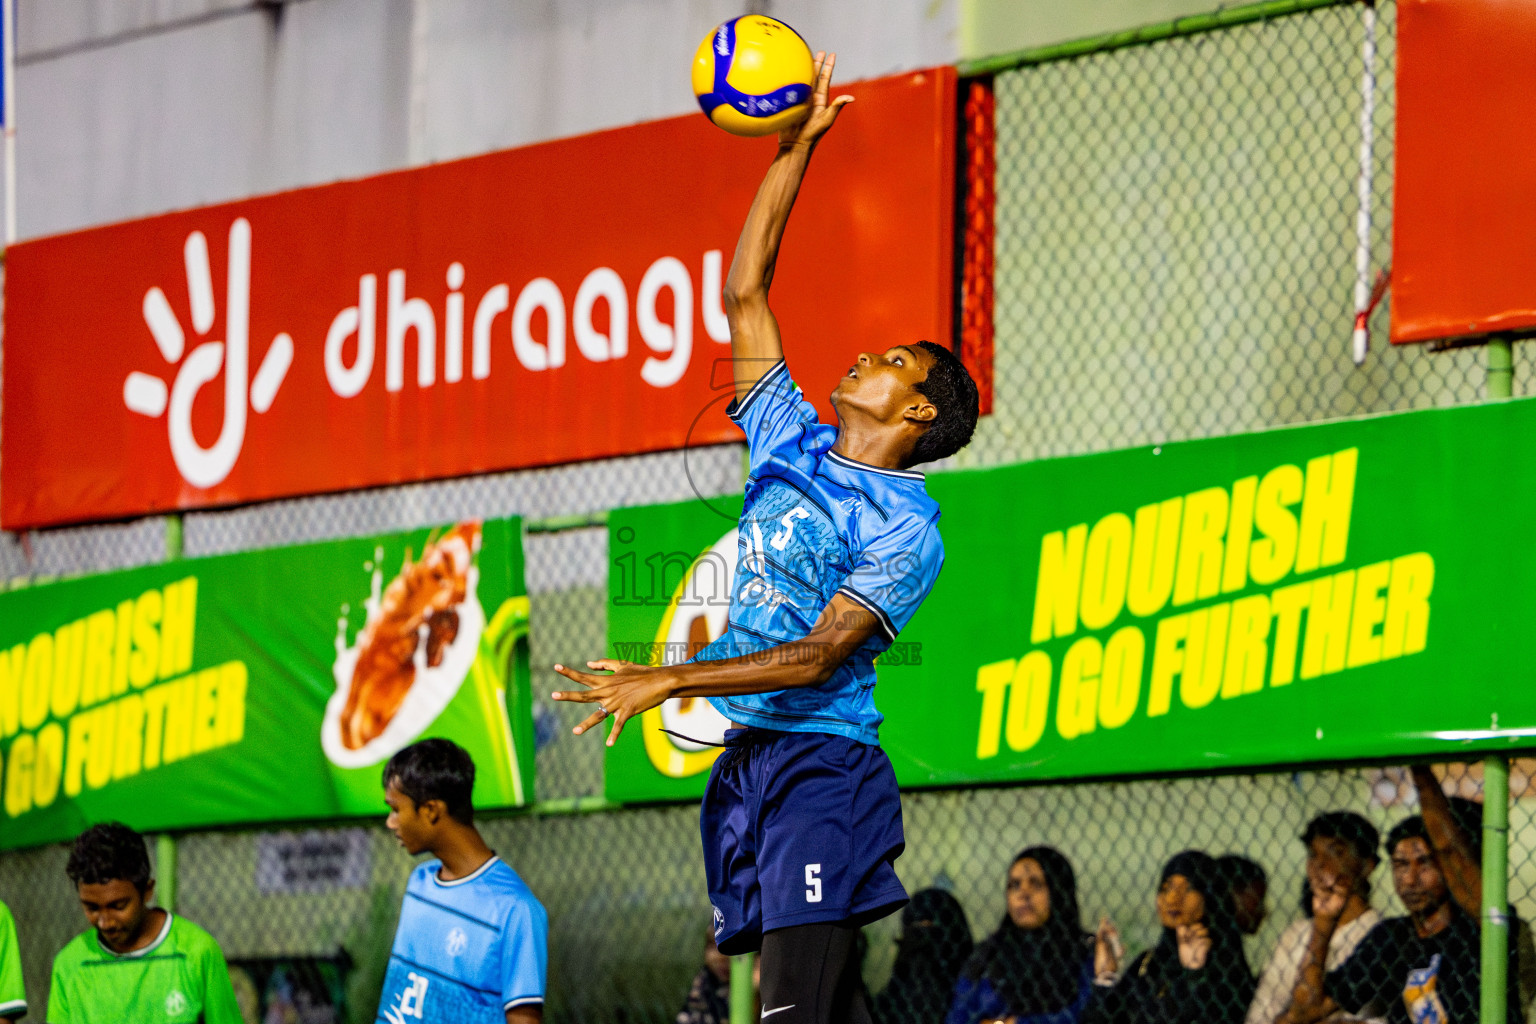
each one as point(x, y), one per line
point(1423, 968)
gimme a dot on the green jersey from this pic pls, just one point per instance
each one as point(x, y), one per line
point(13, 1000)
point(180, 978)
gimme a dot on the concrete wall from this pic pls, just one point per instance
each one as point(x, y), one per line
point(127, 108)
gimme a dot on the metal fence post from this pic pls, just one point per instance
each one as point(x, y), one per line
point(742, 996)
point(165, 871)
point(1501, 367)
point(1495, 974)
point(1495, 889)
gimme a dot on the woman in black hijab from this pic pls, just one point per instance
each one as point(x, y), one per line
point(935, 940)
point(1037, 968)
point(1196, 974)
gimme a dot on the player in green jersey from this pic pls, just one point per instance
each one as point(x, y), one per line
point(13, 999)
point(138, 963)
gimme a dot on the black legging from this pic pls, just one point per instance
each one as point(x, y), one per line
point(811, 976)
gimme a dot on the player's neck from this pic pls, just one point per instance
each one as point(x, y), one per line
point(149, 930)
point(462, 852)
point(872, 444)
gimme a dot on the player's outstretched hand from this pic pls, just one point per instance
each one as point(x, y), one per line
point(822, 113)
point(628, 691)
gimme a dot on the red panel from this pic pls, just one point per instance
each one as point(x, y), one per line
point(867, 262)
point(980, 240)
point(1464, 236)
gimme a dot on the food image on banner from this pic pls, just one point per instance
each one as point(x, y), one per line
point(423, 641)
point(267, 685)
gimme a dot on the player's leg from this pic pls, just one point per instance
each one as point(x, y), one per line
point(811, 975)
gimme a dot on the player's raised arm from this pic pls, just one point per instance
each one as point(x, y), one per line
point(755, 343)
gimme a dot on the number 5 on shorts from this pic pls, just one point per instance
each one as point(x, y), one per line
point(812, 883)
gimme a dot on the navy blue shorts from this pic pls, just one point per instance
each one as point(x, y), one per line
point(799, 828)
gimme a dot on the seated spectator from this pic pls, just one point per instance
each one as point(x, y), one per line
point(1341, 847)
point(709, 997)
point(1037, 968)
point(1249, 888)
point(934, 944)
point(1196, 974)
point(1424, 967)
point(137, 962)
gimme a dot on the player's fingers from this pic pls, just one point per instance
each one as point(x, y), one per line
point(609, 664)
point(824, 78)
point(619, 718)
point(595, 718)
point(581, 677)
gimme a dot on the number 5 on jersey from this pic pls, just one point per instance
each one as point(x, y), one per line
point(813, 883)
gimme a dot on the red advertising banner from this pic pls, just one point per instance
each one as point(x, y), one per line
point(536, 306)
point(1463, 260)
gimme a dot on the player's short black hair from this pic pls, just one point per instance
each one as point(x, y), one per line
point(1239, 872)
point(1408, 828)
point(1352, 828)
point(106, 852)
point(435, 769)
point(952, 391)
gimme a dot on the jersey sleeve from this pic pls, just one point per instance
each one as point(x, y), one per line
point(219, 1005)
point(525, 955)
point(13, 998)
point(779, 423)
point(895, 572)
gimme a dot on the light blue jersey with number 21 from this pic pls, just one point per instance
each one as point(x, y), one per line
point(467, 950)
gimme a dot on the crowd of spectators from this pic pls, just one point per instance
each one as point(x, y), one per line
point(1340, 960)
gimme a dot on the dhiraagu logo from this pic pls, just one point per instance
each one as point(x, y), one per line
point(679, 733)
point(147, 393)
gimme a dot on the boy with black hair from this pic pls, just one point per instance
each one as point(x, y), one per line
point(472, 942)
point(1426, 967)
point(1341, 850)
point(138, 964)
point(839, 545)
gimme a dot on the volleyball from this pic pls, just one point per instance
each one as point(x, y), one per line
point(753, 75)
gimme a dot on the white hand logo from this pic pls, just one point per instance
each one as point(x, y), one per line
point(146, 394)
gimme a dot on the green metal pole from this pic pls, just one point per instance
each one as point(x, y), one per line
point(1495, 974)
point(165, 871)
point(1501, 367)
point(173, 544)
point(743, 1010)
point(1495, 890)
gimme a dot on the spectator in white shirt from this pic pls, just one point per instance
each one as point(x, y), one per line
point(1341, 846)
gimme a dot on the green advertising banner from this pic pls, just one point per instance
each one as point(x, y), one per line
point(265, 686)
point(1339, 591)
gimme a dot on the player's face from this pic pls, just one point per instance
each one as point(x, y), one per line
point(1331, 860)
point(883, 384)
point(1179, 903)
point(116, 909)
point(1416, 874)
point(405, 820)
point(1029, 898)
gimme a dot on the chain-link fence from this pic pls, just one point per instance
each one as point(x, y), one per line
point(1174, 258)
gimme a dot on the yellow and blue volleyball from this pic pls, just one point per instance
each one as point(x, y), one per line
point(753, 75)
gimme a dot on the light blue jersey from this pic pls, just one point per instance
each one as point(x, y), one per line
point(816, 524)
point(467, 950)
